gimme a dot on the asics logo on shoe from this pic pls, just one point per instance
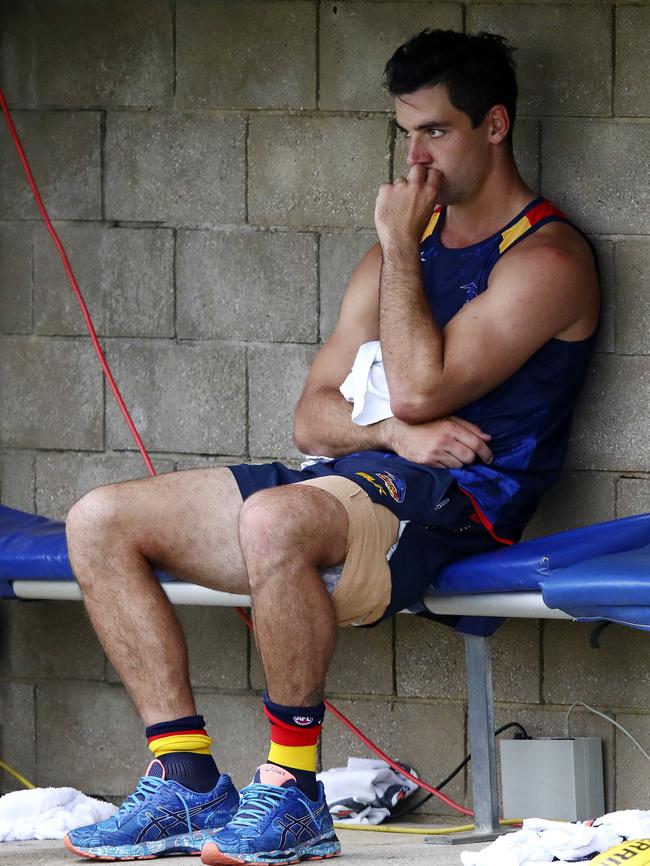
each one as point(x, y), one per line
point(295, 829)
point(273, 770)
point(170, 822)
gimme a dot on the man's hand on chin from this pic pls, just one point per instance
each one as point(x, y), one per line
point(445, 443)
point(404, 207)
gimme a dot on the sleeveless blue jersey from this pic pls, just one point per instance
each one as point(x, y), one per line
point(528, 415)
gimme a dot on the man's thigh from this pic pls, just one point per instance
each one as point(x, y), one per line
point(184, 523)
point(361, 585)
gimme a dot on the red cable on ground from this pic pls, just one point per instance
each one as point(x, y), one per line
point(399, 769)
point(134, 432)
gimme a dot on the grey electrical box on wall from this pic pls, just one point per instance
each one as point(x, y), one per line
point(552, 778)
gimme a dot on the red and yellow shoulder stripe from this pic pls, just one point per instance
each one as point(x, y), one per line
point(435, 216)
point(541, 211)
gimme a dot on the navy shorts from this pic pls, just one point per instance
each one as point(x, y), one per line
point(438, 521)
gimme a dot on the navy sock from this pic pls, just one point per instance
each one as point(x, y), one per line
point(193, 770)
point(196, 772)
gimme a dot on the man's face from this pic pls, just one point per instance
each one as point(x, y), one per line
point(439, 136)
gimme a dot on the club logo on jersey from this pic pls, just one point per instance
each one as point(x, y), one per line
point(471, 291)
point(303, 721)
point(395, 486)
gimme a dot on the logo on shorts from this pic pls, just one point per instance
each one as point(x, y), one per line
point(395, 486)
point(371, 480)
point(303, 721)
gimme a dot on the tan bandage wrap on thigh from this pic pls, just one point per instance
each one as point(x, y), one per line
point(363, 591)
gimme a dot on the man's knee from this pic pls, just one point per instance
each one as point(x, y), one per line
point(267, 522)
point(93, 514)
point(295, 521)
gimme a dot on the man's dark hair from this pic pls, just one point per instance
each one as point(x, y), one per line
point(478, 71)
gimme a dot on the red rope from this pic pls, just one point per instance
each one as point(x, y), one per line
point(73, 282)
point(134, 432)
point(397, 767)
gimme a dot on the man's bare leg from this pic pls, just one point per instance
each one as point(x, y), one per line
point(185, 523)
point(288, 535)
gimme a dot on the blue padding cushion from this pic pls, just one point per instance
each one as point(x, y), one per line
point(525, 566)
point(32, 547)
point(614, 587)
point(599, 572)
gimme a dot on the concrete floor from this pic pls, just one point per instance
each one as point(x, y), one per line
point(360, 848)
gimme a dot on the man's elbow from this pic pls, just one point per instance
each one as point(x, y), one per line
point(301, 435)
point(305, 436)
point(416, 408)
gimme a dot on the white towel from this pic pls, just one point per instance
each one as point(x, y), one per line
point(365, 791)
point(629, 823)
point(571, 841)
point(367, 389)
point(366, 386)
point(540, 841)
point(513, 849)
point(48, 813)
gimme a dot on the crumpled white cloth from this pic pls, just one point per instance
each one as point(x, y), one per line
point(366, 386)
point(540, 841)
point(630, 823)
point(48, 813)
point(365, 791)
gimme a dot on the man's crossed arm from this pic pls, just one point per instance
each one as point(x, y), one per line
point(323, 423)
point(544, 287)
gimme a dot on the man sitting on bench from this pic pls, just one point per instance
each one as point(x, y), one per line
point(484, 299)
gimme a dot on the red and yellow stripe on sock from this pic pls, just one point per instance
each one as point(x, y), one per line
point(196, 741)
point(293, 746)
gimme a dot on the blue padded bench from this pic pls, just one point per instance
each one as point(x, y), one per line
point(599, 572)
point(34, 565)
point(596, 573)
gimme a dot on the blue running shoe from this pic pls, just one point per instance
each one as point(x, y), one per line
point(275, 823)
point(160, 817)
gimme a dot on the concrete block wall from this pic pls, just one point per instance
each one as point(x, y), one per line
point(212, 166)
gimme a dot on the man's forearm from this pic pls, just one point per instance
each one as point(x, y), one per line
point(323, 425)
point(411, 339)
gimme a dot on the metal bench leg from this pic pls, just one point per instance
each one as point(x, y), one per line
point(478, 660)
